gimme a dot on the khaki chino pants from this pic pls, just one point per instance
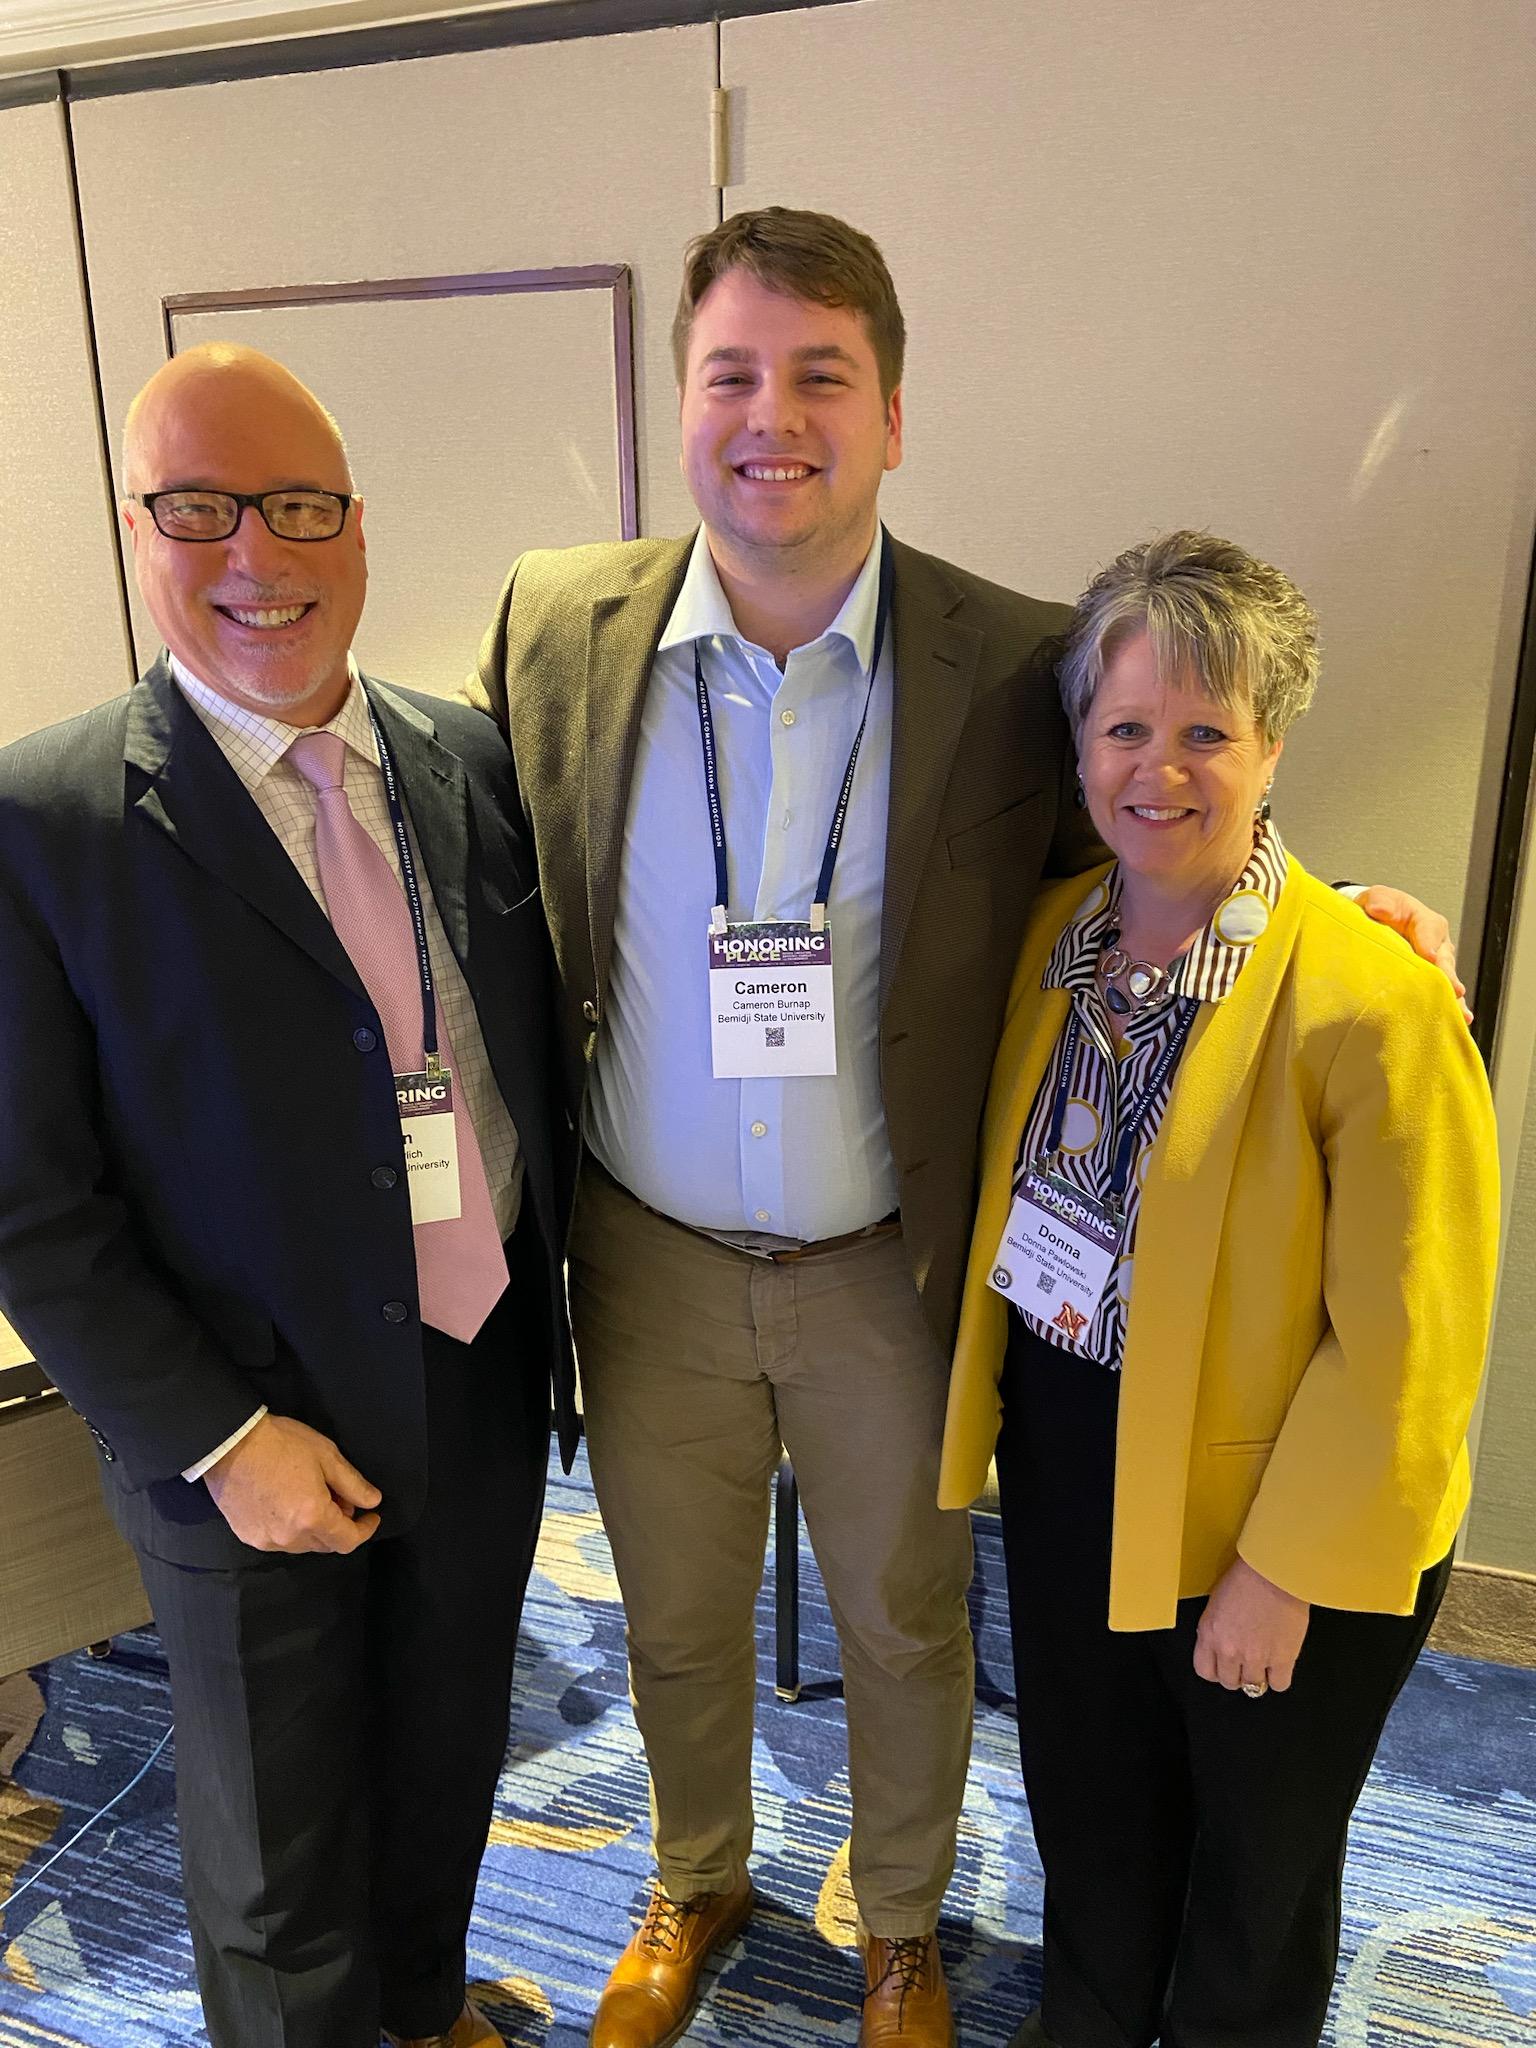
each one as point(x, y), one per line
point(697, 1363)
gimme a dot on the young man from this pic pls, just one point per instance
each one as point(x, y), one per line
point(789, 716)
point(240, 908)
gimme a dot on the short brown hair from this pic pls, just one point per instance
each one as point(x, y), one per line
point(810, 256)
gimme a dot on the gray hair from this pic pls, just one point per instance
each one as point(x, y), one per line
point(1213, 612)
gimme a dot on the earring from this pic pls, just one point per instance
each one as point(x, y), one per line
point(1080, 795)
point(1261, 814)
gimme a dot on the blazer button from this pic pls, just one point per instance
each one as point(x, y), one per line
point(383, 1176)
point(394, 1311)
point(589, 1011)
point(364, 1039)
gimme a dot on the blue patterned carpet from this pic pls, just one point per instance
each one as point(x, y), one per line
point(1440, 1935)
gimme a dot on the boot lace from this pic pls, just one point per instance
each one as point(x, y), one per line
point(906, 1962)
point(666, 1920)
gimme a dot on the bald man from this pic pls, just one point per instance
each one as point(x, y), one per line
point(281, 1200)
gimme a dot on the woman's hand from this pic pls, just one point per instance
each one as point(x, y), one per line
point(1251, 1632)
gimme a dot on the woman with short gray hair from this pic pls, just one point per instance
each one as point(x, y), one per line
point(1224, 1322)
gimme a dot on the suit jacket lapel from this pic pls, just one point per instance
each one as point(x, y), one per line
point(436, 798)
point(935, 659)
point(195, 797)
point(1178, 1237)
point(622, 631)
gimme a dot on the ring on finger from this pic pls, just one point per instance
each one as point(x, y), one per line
point(1255, 1689)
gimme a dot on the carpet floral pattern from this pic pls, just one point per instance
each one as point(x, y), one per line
point(1440, 1932)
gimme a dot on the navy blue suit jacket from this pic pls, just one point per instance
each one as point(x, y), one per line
point(195, 1097)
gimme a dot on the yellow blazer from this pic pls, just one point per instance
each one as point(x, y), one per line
point(1313, 1277)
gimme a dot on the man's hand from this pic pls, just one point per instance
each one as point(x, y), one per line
point(1251, 1632)
point(286, 1487)
point(1424, 929)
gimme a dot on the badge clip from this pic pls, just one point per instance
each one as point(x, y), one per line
point(818, 917)
point(717, 918)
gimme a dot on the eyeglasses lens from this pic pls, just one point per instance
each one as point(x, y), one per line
point(214, 515)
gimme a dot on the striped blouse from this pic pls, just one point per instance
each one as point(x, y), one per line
point(1115, 1058)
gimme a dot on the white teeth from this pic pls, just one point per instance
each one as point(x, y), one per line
point(763, 475)
point(1146, 811)
point(285, 617)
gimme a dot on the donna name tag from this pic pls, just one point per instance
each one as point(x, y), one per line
point(770, 1000)
point(431, 1140)
point(1058, 1250)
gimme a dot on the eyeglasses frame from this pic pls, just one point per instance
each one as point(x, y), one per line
point(242, 499)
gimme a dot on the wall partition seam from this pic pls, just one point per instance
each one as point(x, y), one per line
point(93, 355)
point(1509, 840)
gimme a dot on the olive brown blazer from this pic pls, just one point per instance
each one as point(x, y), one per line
point(980, 762)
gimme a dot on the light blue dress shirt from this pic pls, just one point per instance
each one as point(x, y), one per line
point(801, 1158)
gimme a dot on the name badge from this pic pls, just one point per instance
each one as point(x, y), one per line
point(1058, 1250)
point(770, 1000)
point(431, 1140)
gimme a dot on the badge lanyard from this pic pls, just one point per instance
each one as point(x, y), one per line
point(719, 918)
point(1125, 1142)
point(413, 899)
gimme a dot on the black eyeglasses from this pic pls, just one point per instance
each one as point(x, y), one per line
point(214, 515)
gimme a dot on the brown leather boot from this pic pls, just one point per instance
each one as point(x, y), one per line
point(470, 2030)
point(906, 2004)
point(650, 1997)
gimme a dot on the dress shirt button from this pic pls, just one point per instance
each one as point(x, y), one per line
point(589, 1011)
point(364, 1039)
point(394, 1311)
point(764, 1216)
point(759, 1130)
point(384, 1176)
point(786, 718)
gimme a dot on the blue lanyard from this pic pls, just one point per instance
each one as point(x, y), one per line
point(840, 815)
point(412, 894)
point(1125, 1146)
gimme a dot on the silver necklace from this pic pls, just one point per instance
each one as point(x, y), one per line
point(1127, 986)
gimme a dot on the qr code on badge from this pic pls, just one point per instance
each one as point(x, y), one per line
point(774, 1034)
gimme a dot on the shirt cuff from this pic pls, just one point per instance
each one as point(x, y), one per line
point(213, 1457)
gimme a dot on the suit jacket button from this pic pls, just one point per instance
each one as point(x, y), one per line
point(383, 1176)
point(364, 1039)
point(589, 1011)
point(394, 1311)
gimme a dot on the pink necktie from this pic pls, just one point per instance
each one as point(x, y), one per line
point(461, 1269)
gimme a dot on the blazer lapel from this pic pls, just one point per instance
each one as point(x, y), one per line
point(195, 797)
point(622, 631)
point(436, 798)
point(935, 658)
point(1178, 1237)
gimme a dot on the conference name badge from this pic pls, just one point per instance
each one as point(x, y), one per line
point(430, 1135)
point(770, 1000)
point(1058, 1250)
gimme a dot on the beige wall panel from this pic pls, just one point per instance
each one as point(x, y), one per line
point(62, 641)
point(452, 501)
point(1501, 1529)
point(1264, 269)
point(529, 158)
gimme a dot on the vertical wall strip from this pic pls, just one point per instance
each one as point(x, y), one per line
point(1488, 987)
point(719, 120)
point(103, 429)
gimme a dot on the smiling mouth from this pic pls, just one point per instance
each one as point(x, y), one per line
point(265, 618)
point(1159, 814)
point(775, 472)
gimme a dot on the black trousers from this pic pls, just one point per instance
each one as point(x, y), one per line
point(341, 1723)
point(1192, 1839)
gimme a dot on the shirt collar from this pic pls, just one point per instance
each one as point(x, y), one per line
point(1208, 971)
point(703, 612)
point(255, 744)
